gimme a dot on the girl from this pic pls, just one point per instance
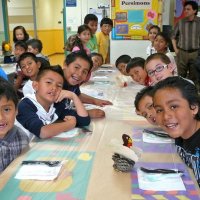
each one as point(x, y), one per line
point(177, 103)
point(20, 34)
point(153, 31)
point(161, 44)
point(82, 38)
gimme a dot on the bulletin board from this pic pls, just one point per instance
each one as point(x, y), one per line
point(132, 18)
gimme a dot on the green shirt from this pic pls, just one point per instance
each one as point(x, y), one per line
point(92, 44)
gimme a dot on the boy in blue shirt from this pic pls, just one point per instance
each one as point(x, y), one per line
point(38, 112)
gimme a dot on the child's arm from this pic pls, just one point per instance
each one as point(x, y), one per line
point(80, 109)
point(91, 100)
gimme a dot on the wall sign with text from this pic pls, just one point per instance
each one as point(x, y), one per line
point(132, 18)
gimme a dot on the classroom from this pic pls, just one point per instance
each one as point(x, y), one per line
point(99, 99)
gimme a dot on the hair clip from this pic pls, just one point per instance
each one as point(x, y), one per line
point(39, 162)
point(157, 133)
point(161, 171)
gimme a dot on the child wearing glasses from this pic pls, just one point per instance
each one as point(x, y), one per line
point(177, 103)
point(158, 67)
point(135, 69)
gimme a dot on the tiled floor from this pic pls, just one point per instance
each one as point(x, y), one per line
point(57, 59)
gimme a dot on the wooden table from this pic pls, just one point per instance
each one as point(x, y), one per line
point(88, 174)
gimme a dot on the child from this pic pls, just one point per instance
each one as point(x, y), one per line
point(76, 67)
point(177, 106)
point(20, 34)
point(161, 44)
point(30, 67)
point(144, 104)
point(38, 112)
point(121, 63)
point(20, 48)
point(12, 139)
point(92, 21)
point(153, 31)
point(82, 38)
point(103, 40)
point(158, 67)
point(35, 47)
point(97, 60)
point(135, 69)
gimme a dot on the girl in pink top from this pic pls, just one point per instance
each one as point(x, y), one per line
point(82, 38)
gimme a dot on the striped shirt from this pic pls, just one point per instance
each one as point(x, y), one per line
point(187, 34)
point(11, 146)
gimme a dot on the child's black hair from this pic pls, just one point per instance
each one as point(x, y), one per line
point(27, 55)
point(35, 44)
point(21, 44)
point(122, 59)
point(154, 27)
point(90, 17)
point(147, 91)
point(7, 90)
point(135, 62)
point(165, 37)
point(26, 35)
point(78, 54)
point(187, 89)
point(55, 68)
point(106, 20)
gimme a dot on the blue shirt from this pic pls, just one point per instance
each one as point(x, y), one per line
point(3, 74)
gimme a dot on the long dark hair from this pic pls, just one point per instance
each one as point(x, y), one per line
point(26, 35)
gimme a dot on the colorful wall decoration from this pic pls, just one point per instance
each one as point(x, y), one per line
point(133, 18)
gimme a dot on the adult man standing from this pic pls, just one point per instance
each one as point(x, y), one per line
point(186, 41)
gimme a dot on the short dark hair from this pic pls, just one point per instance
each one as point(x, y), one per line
point(187, 89)
point(27, 55)
point(26, 35)
point(193, 4)
point(122, 59)
point(54, 68)
point(90, 17)
point(36, 44)
point(147, 91)
point(106, 20)
point(21, 44)
point(97, 54)
point(7, 90)
point(135, 62)
point(78, 54)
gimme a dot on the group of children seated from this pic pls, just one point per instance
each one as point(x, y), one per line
point(167, 100)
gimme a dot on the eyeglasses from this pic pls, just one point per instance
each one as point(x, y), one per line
point(158, 69)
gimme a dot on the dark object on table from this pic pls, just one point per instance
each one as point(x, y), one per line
point(127, 140)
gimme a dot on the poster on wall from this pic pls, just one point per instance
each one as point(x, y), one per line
point(132, 18)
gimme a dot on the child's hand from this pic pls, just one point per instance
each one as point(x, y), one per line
point(96, 113)
point(71, 119)
point(102, 103)
point(64, 94)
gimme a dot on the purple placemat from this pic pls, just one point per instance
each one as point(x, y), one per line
point(150, 147)
point(190, 193)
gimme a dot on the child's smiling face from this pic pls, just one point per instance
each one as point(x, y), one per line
point(138, 74)
point(174, 114)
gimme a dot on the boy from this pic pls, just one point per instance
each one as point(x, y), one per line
point(158, 67)
point(144, 104)
point(92, 21)
point(20, 48)
point(35, 47)
point(121, 63)
point(97, 60)
point(103, 40)
point(76, 67)
point(30, 66)
point(12, 139)
point(38, 112)
point(135, 69)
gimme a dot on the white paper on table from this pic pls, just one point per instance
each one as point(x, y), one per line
point(68, 134)
point(38, 172)
point(160, 182)
point(150, 138)
point(91, 92)
point(100, 78)
point(106, 70)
